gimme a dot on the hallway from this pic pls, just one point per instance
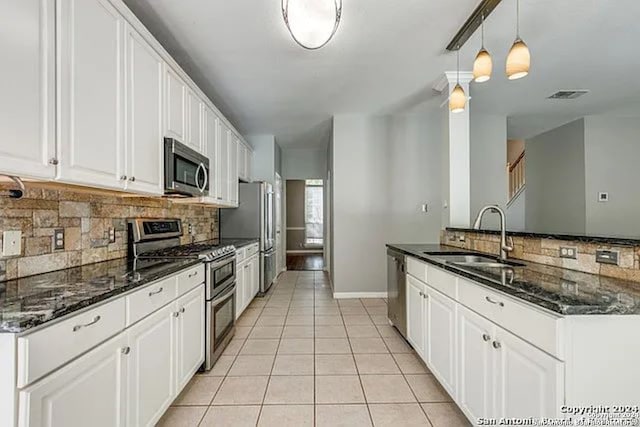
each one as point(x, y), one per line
point(305, 262)
point(302, 358)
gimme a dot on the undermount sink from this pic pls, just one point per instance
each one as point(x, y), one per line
point(473, 259)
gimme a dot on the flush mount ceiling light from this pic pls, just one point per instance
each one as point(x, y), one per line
point(312, 23)
point(482, 66)
point(457, 98)
point(519, 58)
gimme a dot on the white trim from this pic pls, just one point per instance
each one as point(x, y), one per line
point(341, 295)
point(296, 228)
point(305, 251)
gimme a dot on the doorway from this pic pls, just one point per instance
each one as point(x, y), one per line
point(305, 224)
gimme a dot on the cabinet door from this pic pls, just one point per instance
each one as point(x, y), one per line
point(190, 335)
point(223, 163)
point(144, 116)
point(233, 169)
point(241, 283)
point(529, 382)
point(91, 93)
point(440, 338)
point(210, 126)
point(175, 105)
point(194, 119)
point(27, 105)
point(89, 391)
point(475, 364)
point(150, 378)
point(416, 315)
point(241, 162)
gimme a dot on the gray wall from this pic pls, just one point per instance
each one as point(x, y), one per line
point(612, 152)
point(304, 163)
point(489, 177)
point(266, 158)
point(555, 176)
point(516, 211)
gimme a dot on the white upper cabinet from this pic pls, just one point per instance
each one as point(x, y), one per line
point(144, 116)
point(210, 127)
point(194, 122)
point(233, 169)
point(90, 93)
point(242, 162)
point(27, 104)
point(175, 106)
point(223, 165)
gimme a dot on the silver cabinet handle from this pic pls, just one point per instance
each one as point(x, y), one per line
point(194, 274)
point(496, 344)
point(152, 293)
point(126, 350)
point(133, 178)
point(123, 177)
point(486, 337)
point(93, 322)
point(176, 313)
point(53, 161)
point(182, 310)
point(500, 303)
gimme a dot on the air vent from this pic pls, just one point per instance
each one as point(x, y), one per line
point(568, 94)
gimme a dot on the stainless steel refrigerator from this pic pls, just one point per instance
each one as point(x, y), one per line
point(254, 219)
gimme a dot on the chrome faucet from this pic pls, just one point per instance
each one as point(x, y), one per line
point(504, 247)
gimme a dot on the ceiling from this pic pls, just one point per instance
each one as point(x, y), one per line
point(386, 58)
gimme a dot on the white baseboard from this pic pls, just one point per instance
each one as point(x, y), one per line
point(342, 295)
point(305, 251)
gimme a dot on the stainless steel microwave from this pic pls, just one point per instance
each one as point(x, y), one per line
point(186, 172)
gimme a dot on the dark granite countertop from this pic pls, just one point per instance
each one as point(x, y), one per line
point(563, 291)
point(616, 241)
point(238, 243)
point(32, 301)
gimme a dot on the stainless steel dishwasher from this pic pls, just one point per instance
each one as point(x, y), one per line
point(397, 290)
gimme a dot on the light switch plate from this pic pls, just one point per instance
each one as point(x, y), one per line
point(12, 243)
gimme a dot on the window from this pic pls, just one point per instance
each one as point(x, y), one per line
point(313, 211)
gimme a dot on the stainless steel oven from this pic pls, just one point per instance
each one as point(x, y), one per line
point(220, 307)
point(186, 171)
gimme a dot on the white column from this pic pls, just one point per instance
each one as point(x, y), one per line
point(456, 169)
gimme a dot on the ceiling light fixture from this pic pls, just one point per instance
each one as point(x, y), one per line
point(482, 66)
point(312, 23)
point(457, 98)
point(519, 58)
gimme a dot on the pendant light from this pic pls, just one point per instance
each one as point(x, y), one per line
point(312, 23)
point(457, 98)
point(519, 58)
point(482, 66)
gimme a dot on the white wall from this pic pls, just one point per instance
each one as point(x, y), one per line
point(489, 178)
point(383, 168)
point(555, 180)
point(304, 163)
point(612, 152)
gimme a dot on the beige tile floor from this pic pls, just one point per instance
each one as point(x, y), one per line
point(302, 358)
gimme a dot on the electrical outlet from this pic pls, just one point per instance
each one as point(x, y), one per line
point(58, 239)
point(12, 243)
point(112, 235)
point(189, 229)
point(607, 257)
point(425, 208)
point(568, 252)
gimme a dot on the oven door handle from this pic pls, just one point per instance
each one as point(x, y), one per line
point(226, 295)
point(217, 264)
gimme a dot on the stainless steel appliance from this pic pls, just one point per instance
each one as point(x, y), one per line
point(186, 172)
point(155, 239)
point(397, 290)
point(254, 219)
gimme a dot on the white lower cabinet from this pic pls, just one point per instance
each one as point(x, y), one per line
point(89, 391)
point(441, 338)
point(190, 337)
point(416, 307)
point(150, 376)
point(247, 280)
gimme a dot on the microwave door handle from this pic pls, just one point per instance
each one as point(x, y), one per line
point(200, 168)
point(206, 177)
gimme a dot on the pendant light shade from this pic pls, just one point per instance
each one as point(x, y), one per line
point(312, 23)
point(457, 99)
point(482, 66)
point(518, 60)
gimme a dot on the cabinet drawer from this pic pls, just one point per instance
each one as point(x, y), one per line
point(43, 351)
point(241, 254)
point(252, 250)
point(150, 298)
point(189, 279)
point(417, 269)
point(540, 329)
point(443, 281)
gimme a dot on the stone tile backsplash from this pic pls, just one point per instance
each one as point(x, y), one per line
point(547, 251)
point(86, 218)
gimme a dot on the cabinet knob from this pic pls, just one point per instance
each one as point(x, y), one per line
point(486, 337)
point(496, 344)
point(123, 177)
point(176, 314)
point(133, 178)
point(182, 310)
point(53, 161)
point(126, 350)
